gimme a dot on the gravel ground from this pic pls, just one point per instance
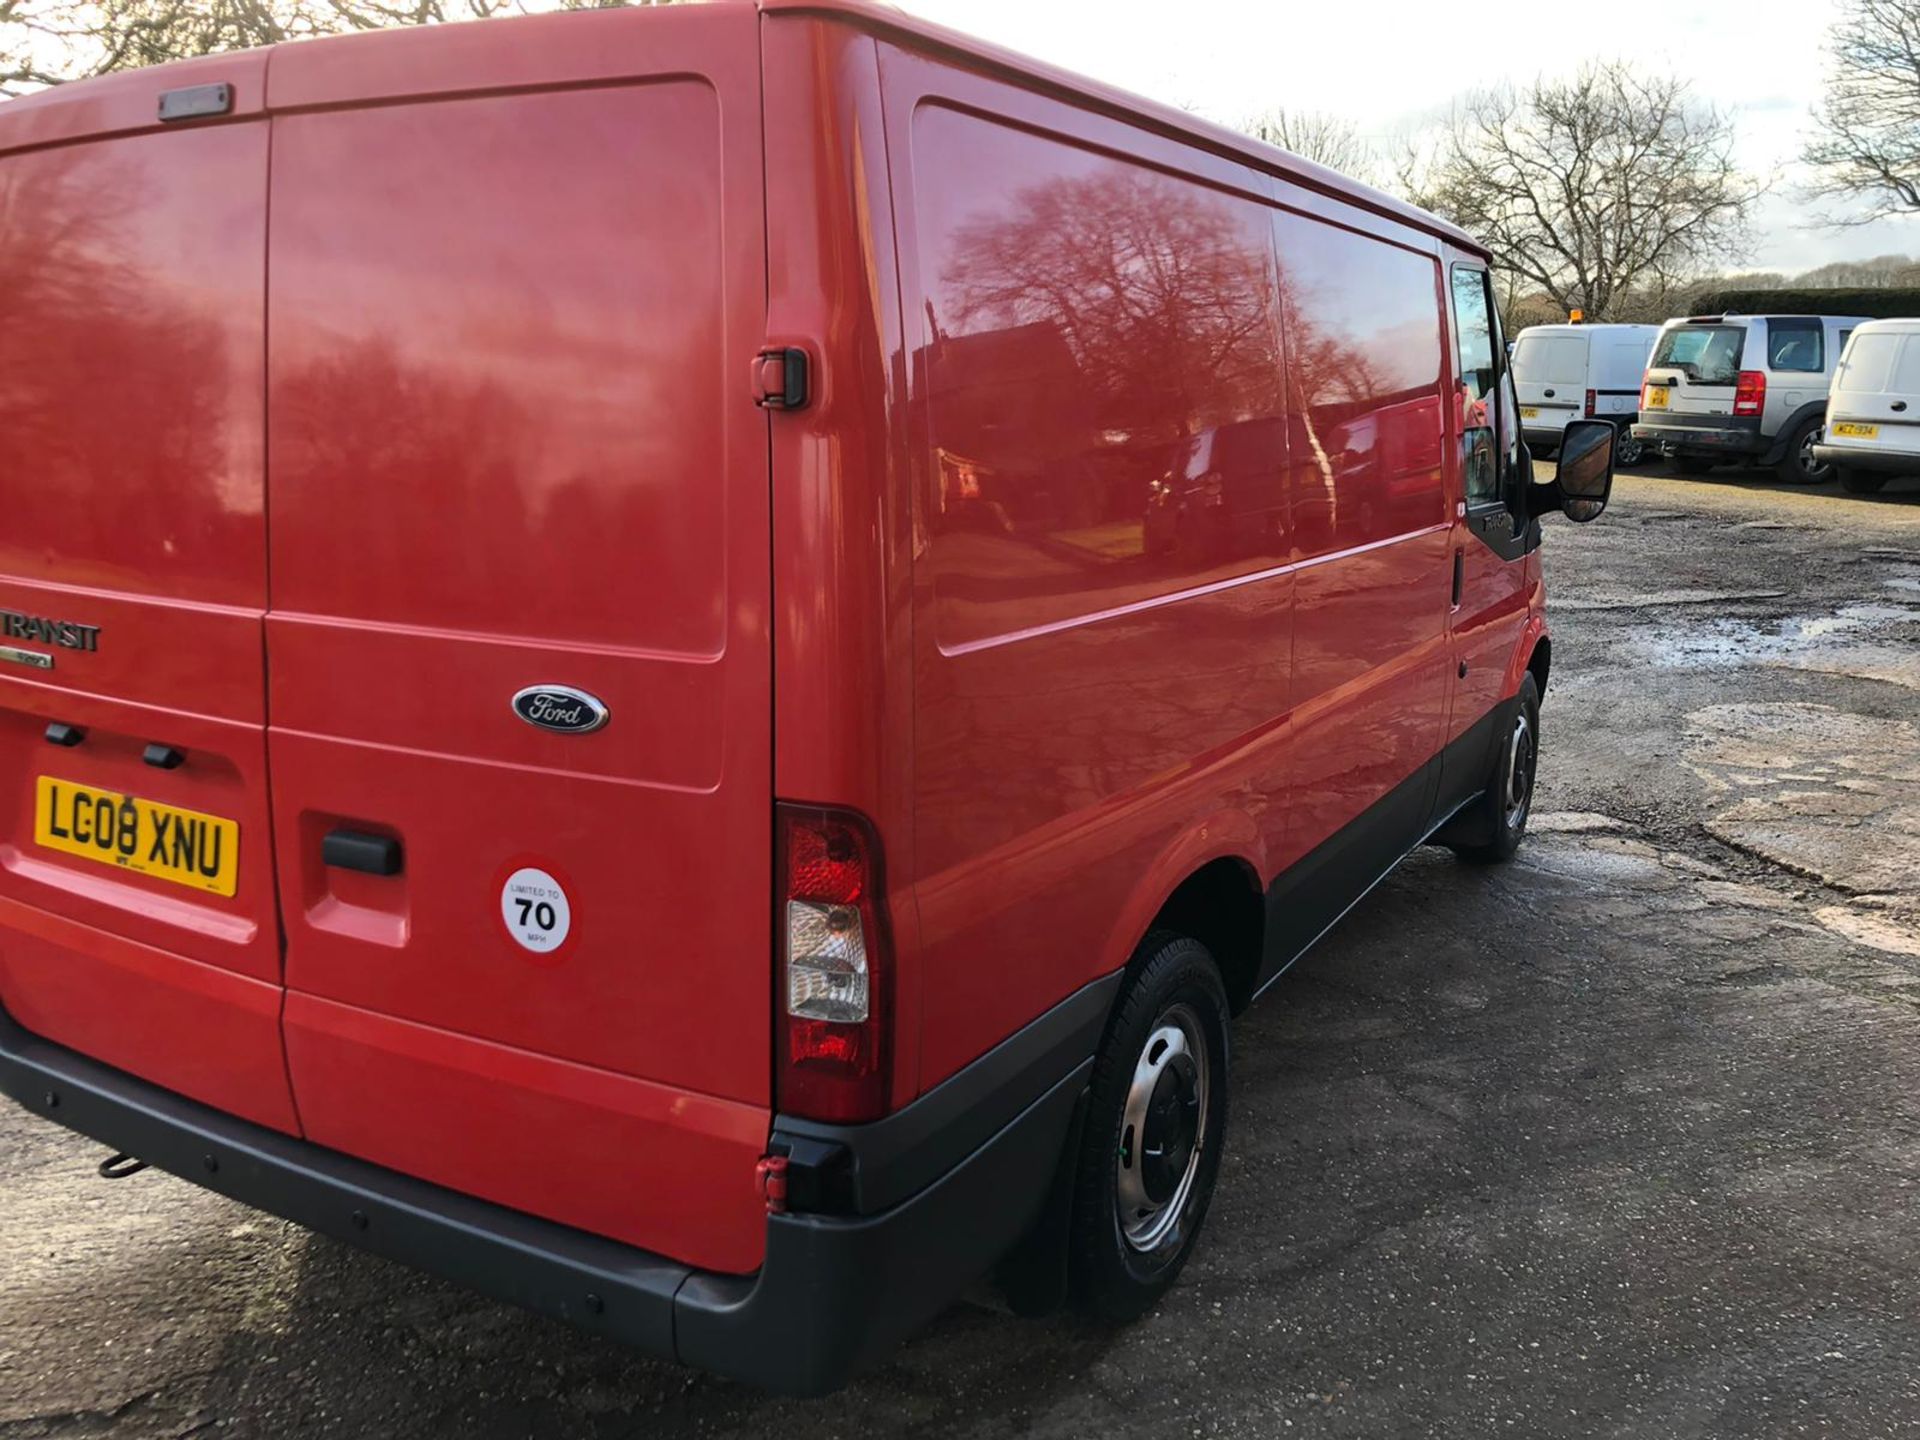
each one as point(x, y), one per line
point(1621, 1139)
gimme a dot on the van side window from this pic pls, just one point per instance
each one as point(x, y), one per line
point(1364, 367)
point(1478, 391)
point(1795, 343)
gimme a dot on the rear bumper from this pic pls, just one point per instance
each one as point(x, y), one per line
point(836, 1291)
point(1859, 457)
point(1718, 434)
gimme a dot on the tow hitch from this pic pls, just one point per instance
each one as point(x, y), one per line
point(120, 1167)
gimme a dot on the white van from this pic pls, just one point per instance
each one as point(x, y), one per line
point(1873, 410)
point(1747, 389)
point(1572, 372)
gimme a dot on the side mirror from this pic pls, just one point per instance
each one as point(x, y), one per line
point(1583, 480)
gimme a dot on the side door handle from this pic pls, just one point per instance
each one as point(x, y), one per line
point(1459, 562)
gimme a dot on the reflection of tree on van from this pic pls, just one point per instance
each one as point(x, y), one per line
point(1106, 316)
point(1216, 502)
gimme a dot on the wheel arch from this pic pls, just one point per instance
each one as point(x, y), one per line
point(1208, 885)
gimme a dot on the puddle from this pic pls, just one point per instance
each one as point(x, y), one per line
point(1870, 640)
point(1656, 599)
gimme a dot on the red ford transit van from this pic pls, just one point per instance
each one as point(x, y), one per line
point(679, 662)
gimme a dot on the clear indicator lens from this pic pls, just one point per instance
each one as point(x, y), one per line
point(826, 963)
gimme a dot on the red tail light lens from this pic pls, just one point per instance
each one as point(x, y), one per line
point(834, 968)
point(1593, 403)
point(1750, 395)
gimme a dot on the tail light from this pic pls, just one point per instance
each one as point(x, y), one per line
point(1750, 395)
point(1593, 403)
point(834, 968)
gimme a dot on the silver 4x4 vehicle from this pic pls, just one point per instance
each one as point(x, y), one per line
point(1750, 389)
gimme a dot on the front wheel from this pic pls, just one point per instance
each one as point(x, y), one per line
point(1156, 1117)
point(1508, 799)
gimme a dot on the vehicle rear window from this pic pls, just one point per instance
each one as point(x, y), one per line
point(1705, 354)
point(1550, 360)
point(1906, 370)
point(1795, 344)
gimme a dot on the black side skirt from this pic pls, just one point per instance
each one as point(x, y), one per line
point(1308, 900)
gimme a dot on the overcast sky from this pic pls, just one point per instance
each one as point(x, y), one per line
point(1384, 64)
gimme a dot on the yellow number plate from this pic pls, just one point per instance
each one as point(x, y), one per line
point(1856, 430)
point(1529, 412)
point(183, 846)
point(1656, 397)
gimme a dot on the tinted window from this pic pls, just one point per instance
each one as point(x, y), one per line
point(1795, 344)
point(1362, 325)
point(1705, 354)
point(1099, 349)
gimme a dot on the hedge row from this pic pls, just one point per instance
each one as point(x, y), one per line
point(1876, 304)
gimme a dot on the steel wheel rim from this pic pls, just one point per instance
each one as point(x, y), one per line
point(1171, 1074)
point(1517, 784)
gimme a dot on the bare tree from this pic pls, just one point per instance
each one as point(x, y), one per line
point(45, 42)
point(1865, 148)
point(1314, 135)
point(1589, 187)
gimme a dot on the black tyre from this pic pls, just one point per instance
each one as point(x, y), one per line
point(1626, 449)
point(1797, 466)
point(1695, 464)
point(1860, 482)
point(1508, 801)
point(1156, 1117)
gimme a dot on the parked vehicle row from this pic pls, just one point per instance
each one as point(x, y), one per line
point(1814, 397)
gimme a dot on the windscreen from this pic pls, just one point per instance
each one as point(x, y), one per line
point(1550, 360)
point(1705, 354)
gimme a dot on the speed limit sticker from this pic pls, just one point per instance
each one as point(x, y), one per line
point(534, 907)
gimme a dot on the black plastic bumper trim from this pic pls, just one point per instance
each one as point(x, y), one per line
point(833, 1295)
point(1852, 457)
point(893, 1159)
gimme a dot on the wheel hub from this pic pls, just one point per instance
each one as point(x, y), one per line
point(1163, 1132)
point(1517, 791)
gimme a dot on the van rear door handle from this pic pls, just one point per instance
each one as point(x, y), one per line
point(358, 850)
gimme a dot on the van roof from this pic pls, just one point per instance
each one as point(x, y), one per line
point(1568, 328)
point(271, 79)
point(1733, 317)
point(1900, 325)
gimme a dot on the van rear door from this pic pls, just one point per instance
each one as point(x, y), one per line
point(1550, 374)
point(518, 647)
point(137, 916)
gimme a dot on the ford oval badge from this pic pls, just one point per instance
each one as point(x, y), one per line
point(560, 708)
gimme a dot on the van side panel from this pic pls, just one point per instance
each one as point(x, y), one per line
point(1101, 594)
point(133, 564)
point(514, 444)
point(1370, 526)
